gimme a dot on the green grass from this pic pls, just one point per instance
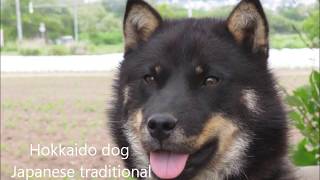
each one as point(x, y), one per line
point(9, 48)
point(280, 41)
point(3, 147)
point(29, 105)
point(12, 48)
point(11, 123)
point(106, 49)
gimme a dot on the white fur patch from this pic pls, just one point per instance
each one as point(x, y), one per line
point(250, 100)
point(126, 94)
point(232, 162)
point(137, 152)
point(234, 158)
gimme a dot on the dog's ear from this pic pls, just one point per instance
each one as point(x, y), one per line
point(249, 27)
point(140, 21)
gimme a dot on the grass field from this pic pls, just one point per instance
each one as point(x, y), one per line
point(66, 108)
point(38, 49)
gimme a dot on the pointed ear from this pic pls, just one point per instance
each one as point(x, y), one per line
point(248, 25)
point(140, 21)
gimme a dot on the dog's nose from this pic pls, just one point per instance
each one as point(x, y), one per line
point(160, 126)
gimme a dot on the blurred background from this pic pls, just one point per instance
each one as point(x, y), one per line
point(61, 27)
point(59, 59)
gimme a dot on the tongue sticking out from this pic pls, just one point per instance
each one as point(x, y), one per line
point(167, 165)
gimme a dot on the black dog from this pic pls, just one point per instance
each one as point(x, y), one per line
point(195, 98)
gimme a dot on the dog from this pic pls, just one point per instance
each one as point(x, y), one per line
point(194, 98)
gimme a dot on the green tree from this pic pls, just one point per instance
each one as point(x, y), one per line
point(95, 18)
point(58, 20)
point(311, 27)
point(297, 13)
point(99, 26)
point(117, 7)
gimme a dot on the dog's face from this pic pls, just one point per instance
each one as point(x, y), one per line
point(190, 89)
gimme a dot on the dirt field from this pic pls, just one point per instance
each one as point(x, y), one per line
point(68, 109)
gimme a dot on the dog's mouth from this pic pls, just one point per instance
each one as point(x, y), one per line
point(172, 165)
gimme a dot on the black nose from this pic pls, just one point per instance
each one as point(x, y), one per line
point(160, 126)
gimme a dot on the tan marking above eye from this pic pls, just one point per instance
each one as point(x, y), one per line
point(199, 70)
point(157, 68)
point(216, 126)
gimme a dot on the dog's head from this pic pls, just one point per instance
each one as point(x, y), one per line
point(191, 90)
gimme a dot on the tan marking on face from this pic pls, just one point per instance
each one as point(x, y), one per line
point(199, 69)
point(139, 25)
point(216, 126)
point(232, 145)
point(229, 162)
point(244, 17)
point(227, 137)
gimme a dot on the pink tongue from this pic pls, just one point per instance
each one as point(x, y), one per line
point(167, 165)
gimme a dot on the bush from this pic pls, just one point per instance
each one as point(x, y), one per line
point(311, 27)
point(281, 24)
point(95, 19)
point(79, 49)
point(114, 37)
point(58, 50)
point(105, 49)
point(305, 114)
point(9, 47)
point(279, 41)
point(29, 51)
point(172, 12)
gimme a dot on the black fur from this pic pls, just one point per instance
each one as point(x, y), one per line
point(178, 46)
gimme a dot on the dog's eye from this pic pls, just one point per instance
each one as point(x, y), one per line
point(211, 81)
point(149, 79)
